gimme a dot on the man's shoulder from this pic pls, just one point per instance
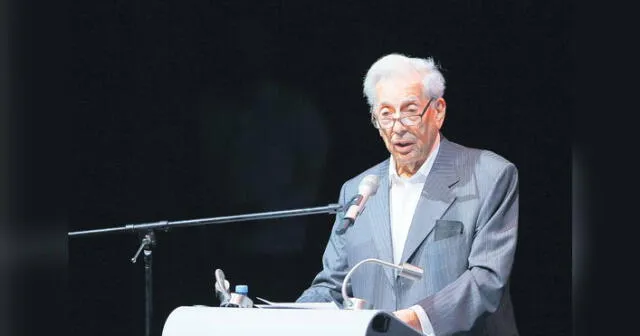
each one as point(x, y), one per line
point(481, 156)
point(482, 161)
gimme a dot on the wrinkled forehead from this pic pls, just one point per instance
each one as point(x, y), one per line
point(396, 90)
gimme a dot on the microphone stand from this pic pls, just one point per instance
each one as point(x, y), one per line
point(148, 239)
point(405, 270)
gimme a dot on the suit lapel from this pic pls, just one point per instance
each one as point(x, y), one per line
point(378, 217)
point(435, 199)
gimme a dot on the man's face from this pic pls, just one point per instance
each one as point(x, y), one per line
point(400, 96)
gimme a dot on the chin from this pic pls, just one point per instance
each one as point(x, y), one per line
point(405, 159)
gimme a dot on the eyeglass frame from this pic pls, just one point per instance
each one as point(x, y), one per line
point(376, 124)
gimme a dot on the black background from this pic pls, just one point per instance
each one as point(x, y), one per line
point(201, 109)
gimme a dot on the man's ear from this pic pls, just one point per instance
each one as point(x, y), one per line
point(440, 111)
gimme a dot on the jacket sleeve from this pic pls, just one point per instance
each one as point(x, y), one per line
point(327, 284)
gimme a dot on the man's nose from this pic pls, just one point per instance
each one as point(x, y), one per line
point(398, 127)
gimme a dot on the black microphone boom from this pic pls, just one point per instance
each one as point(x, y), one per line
point(148, 240)
point(166, 225)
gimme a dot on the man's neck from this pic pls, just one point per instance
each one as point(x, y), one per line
point(410, 169)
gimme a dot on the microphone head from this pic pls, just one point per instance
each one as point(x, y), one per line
point(222, 285)
point(411, 272)
point(369, 185)
point(219, 275)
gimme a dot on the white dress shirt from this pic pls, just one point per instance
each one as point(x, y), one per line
point(404, 194)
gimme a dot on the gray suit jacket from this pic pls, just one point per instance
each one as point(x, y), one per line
point(463, 235)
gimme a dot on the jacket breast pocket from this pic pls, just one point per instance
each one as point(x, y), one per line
point(448, 252)
point(447, 228)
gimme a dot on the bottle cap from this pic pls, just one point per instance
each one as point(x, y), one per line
point(242, 289)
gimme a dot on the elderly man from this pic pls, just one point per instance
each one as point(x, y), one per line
point(449, 209)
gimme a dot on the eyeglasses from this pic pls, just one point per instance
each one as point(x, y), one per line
point(387, 122)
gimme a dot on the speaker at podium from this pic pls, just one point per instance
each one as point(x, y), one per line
point(209, 321)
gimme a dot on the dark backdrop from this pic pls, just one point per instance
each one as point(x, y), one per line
point(210, 108)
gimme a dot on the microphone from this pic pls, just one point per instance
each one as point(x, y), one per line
point(405, 270)
point(222, 287)
point(368, 187)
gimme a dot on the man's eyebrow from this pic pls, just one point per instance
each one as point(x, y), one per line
point(406, 101)
point(409, 100)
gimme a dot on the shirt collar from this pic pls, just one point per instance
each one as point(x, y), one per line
point(422, 173)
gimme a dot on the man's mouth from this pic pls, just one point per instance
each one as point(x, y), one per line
point(403, 147)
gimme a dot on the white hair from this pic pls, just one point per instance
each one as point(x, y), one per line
point(397, 64)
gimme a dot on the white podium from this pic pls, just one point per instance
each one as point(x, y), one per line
point(209, 321)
